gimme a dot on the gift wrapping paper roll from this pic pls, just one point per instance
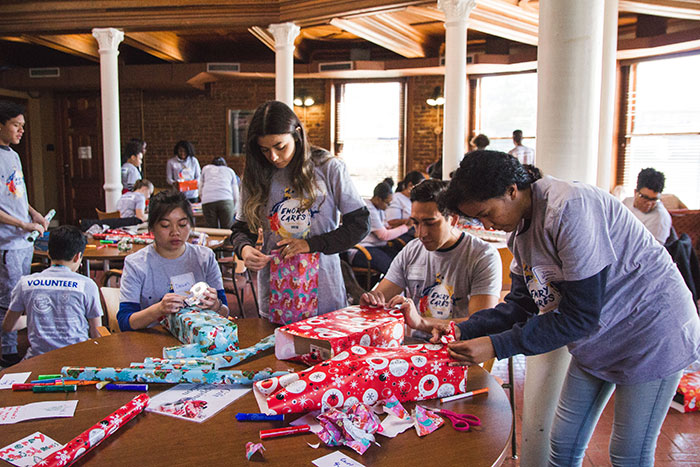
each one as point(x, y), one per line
point(150, 375)
point(229, 359)
point(84, 442)
point(174, 364)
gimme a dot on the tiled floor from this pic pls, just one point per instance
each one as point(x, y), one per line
point(678, 444)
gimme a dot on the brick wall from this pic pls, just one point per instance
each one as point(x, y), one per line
point(163, 118)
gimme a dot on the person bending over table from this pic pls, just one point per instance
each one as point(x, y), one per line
point(132, 204)
point(587, 275)
point(292, 196)
point(156, 279)
point(448, 273)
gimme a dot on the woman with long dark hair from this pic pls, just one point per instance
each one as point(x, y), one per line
point(292, 197)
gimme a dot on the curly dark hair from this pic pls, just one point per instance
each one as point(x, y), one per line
point(652, 179)
point(483, 175)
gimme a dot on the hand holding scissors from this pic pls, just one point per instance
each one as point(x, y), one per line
point(460, 421)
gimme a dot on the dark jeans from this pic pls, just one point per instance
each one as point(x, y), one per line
point(382, 257)
point(219, 214)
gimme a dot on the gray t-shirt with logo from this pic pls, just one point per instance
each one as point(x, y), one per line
point(130, 174)
point(440, 282)
point(336, 195)
point(148, 276)
point(130, 202)
point(648, 326)
point(177, 170)
point(58, 303)
point(13, 200)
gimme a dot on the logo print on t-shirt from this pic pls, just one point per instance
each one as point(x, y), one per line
point(437, 299)
point(545, 295)
point(15, 183)
point(288, 219)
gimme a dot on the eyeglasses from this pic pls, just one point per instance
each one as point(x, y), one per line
point(647, 198)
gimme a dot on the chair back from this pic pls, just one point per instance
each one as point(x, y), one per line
point(110, 298)
point(101, 215)
point(687, 221)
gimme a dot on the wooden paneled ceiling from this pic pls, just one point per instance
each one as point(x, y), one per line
point(48, 33)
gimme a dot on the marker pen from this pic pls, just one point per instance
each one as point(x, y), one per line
point(258, 417)
point(126, 387)
point(288, 430)
point(56, 388)
point(465, 395)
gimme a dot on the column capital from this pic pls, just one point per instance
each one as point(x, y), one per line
point(284, 34)
point(456, 10)
point(108, 39)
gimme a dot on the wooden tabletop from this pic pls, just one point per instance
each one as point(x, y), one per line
point(151, 439)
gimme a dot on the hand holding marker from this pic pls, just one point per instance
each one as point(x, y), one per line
point(35, 234)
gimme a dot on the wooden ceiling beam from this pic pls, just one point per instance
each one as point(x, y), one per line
point(81, 45)
point(384, 33)
point(264, 36)
point(165, 45)
point(683, 9)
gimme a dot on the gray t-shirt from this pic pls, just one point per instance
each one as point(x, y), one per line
point(58, 303)
point(13, 200)
point(177, 170)
point(130, 202)
point(377, 220)
point(441, 282)
point(658, 220)
point(147, 276)
point(130, 174)
point(648, 325)
point(336, 195)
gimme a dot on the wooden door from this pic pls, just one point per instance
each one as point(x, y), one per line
point(80, 159)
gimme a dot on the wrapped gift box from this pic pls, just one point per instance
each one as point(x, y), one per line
point(367, 375)
point(687, 396)
point(204, 332)
point(321, 337)
point(187, 185)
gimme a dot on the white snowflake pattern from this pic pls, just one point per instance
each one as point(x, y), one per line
point(337, 380)
point(402, 383)
point(116, 419)
point(370, 373)
point(435, 366)
point(303, 400)
point(63, 458)
point(450, 372)
point(353, 384)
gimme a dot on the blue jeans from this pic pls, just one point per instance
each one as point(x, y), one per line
point(13, 265)
point(640, 410)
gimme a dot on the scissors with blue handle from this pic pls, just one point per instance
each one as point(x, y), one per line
point(460, 421)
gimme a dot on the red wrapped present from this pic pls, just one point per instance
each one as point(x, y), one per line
point(687, 395)
point(367, 375)
point(321, 337)
point(187, 185)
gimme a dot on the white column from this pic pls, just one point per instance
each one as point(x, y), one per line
point(108, 40)
point(284, 34)
point(456, 14)
point(607, 96)
point(569, 70)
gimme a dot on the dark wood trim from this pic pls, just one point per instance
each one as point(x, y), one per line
point(622, 123)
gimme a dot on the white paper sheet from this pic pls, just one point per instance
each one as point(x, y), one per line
point(309, 419)
point(336, 459)
point(48, 409)
point(9, 379)
point(195, 402)
point(29, 450)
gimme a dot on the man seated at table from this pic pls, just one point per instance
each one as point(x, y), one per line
point(448, 273)
point(62, 306)
point(132, 204)
point(645, 204)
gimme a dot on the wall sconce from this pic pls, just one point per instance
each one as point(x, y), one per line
point(304, 100)
point(436, 98)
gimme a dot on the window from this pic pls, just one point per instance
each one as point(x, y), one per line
point(505, 103)
point(369, 124)
point(662, 125)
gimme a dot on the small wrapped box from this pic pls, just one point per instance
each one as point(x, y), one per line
point(321, 337)
point(687, 395)
point(367, 375)
point(204, 332)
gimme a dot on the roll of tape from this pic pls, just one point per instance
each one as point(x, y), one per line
point(196, 293)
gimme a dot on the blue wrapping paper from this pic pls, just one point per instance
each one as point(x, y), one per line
point(149, 375)
point(203, 332)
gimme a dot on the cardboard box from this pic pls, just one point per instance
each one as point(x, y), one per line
point(687, 395)
point(367, 375)
point(322, 337)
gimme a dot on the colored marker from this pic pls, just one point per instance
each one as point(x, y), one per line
point(47, 381)
point(49, 377)
point(258, 417)
point(288, 430)
point(56, 388)
point(465, 395)
point(22, 387)
point(108, 242)
point(102, 384)
point(126, 387)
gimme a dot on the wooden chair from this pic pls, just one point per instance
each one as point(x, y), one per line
point(110, 274)
point(231, 267)
point(101, 215)
point(371, 275)
point(110, 301)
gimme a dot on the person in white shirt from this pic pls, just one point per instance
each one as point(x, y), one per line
point(400, 206)
point(645, 204)
point(220, 192)
point(184, 167)
point(523, 153)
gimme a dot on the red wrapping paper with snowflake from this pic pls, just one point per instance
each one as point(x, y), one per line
point(367, 375)
point(322, 337)
point(688, 393)
point(293, 287)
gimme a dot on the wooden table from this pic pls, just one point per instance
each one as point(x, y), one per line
point(151, 439)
